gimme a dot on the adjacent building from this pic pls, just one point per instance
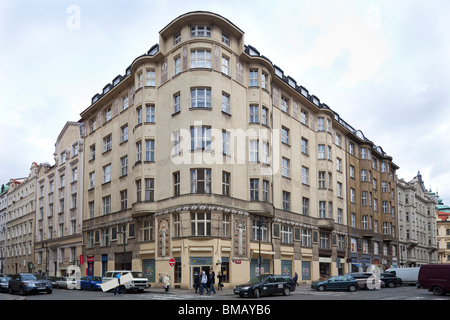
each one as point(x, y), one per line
point(20, 218)
point(417, 221)
point(443, 234)
point(59, 208)
point(206, 153)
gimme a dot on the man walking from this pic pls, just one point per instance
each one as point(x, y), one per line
point(212, 280)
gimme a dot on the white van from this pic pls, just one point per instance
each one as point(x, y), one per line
point(408, 275)
point(139, 282)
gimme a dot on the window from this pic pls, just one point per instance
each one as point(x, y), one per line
point(265, 190)
point(124, 166)
point(226, 225)
point(177, 38)
point(91, 180)
point(322, 209)
point(200, 180)
point(140, 83)
point(139, 151)
point(304, 146)
point(226, 183)
point(264, 79)
point(107, 143)
point(320, 124)
point(150, 150)
point(92, 152)
point(226, 38)
point(226, 137)
point(265, 152)
point(226, 65)
point(201, 31)
point(201, 98)
point(200, 58)
point(285, 135)
point(106, 205)
point(150, 114)
point(138, 190)
point(105, 237)
point(284, 104)
point(324, 240)
point(176, 103)
point(321, 179)
point(321, 151)
point(176, 183)
point(225, 102)
point(254, 189)
point(124, 133)
point(306, 237)
point(108, 114)
point(123, 199)
point(286, 200)
point(259, 230)
point(200, 138)
point(124, 102)
point(176, 224)
point(139, 115)
point(107, 173)
point(265, 116)
point(253, 78)
point(151, 78)
point(254, 113)
point(253, 150)
point(200, 224)
point(305, 206)
point(305, 175)
point(176, 138)
point(150, 190)
point(147, 230)
point(286, 234)
point(304, 117)
point(285, 167)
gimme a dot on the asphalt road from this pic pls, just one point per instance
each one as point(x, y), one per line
point(301, 293)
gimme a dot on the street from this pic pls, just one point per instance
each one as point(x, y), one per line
point(303, 292)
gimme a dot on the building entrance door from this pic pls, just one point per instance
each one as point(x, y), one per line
point(198, 270)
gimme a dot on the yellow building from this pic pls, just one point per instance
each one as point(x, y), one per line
point(204, 152)
point(59, 205)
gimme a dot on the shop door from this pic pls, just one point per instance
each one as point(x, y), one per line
point(198, 270)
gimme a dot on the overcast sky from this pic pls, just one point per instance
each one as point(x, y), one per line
point(386, 59)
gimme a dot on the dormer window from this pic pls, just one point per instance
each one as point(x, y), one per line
point(201, 31)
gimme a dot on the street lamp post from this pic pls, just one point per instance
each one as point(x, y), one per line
point(124, 243)
point(260, 225)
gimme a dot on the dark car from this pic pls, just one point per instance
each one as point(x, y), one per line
point(390, 280)
point(345, 282)
point(366, 280)
point(29, 283)
point(266, 285)
point(4, 283)
point(90, 283)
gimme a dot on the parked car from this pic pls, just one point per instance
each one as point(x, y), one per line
point(29, 283)
point(390, 280)
point(408, 275)
point(4, 283)
point(65, 282)
point(366, 280)
point(139, 282)
point(344, 282)
point(435, 278)
point(265, 285)
point(90, 283)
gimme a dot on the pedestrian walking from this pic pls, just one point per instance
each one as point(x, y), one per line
point(220, 278)
point(166, 283)
point(196, 282)
point(212, 280)
point(295, 279)
point(118, 289)
point(203, 282)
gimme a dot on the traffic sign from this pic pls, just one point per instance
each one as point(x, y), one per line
point(172, 262)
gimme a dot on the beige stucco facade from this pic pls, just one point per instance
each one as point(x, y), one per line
point(201, 142)
point(59, 199)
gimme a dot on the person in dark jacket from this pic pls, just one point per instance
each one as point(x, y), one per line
point(211, 280)
point(197, 283)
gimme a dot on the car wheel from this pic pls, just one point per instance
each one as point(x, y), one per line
point(286, 291)
point(321, 288)
point(391, 284)
point(21, 292)
point(49, 291)
point(352, 288)
point(256, 293)
point(438, 291)
point(10, 290)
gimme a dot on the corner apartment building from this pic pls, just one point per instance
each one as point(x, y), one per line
point(417, 223)
point(3, 206)
point(20, 217)
point(206, 153)
point(59, 198)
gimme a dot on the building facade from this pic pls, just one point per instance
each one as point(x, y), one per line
point(58, 242)
point(20, 218)
point(443, 235)
point(417, 221)
point(206, 153)
point(3, 207)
